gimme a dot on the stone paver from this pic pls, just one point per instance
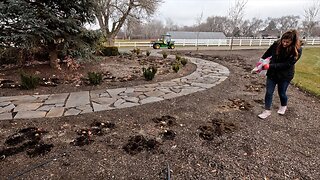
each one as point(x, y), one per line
point(170, 95)
point(4, 116)
point(116, 92)
point(104, 100)
point(7, 108)
point(127, 104)
point(99, 107)
point(30, 114)
point(131, 99)
point(154, 93)
point(46, 107)
point(78, 99)
point(3, 104)
point(27, 107)
point(207, 75)
point(57, 98)
point(56, 112)
point(85, 109)
point(150, 100)
point(72, 112)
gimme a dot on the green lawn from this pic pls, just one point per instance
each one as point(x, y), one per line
point(307, 75)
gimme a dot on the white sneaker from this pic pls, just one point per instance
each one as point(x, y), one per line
point(282, 110)
point(265, 114)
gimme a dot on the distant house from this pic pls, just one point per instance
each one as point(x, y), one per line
point(185, 37)
point(269, 34)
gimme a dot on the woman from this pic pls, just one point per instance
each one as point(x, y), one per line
point(285, 53)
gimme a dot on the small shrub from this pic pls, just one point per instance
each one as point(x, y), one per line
point(149, 73)
point(138, 51)
point(176, 67)
point(178, 58)
point(148, 53)
point(109, 51)
point(29, 81)
point(95, 78)
point(164, 54)
point(184, 61)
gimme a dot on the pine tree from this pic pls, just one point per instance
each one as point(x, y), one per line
point(52, 24)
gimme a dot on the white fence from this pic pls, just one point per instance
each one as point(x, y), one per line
point(214, 42)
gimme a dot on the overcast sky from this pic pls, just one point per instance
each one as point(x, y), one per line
point(185, 12)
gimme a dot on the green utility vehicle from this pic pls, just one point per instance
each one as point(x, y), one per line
point(164, 41)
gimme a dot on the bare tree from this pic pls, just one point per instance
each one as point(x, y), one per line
point(285, 23)
point(310, 15)
point(153, 29)
point(316, 31)
point(217, 24)
point(170, 25)
point(236, 13)
point(271, 24)
point(112, 14)
point(199, 20)
point(130, 26)
point(251, 27)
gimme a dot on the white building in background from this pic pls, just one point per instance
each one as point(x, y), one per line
point(200, 38)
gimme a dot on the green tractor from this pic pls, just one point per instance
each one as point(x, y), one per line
point(164, 41)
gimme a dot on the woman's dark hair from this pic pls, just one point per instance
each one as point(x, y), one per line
point(293, 36)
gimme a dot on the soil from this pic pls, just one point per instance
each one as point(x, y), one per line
point(212, 134)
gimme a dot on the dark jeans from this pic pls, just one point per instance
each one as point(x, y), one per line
point(282, 91)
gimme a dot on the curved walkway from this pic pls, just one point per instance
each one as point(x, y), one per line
point(207, 75)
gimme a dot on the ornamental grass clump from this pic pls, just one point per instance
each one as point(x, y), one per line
point(149, 73)
point(184, 61)
point(176, 66)
point(164, 55)
point(95, 78)
point(148, 53)
point(29, 81)
point(136, 51)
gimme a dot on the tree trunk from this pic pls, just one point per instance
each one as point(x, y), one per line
point(231, 44)
point(110, 40)
point(53, 55)
point(21, 58)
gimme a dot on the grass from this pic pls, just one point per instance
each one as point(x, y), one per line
point(307, 74)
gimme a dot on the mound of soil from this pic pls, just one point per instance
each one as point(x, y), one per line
point(139, 143)
point(28, 139)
